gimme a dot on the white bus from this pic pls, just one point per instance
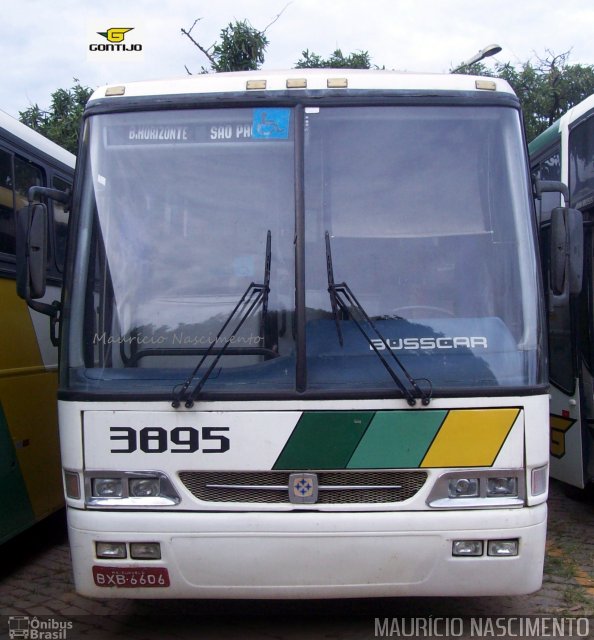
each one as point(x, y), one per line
point(301, 340)
point(565, 152)
point(30, 470)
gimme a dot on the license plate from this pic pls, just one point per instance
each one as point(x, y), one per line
point(131, 577)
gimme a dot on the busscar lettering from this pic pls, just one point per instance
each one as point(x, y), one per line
point(428, 344)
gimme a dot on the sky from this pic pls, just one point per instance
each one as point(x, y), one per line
point(44, 44)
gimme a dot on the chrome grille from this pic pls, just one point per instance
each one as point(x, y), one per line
point(335, 487)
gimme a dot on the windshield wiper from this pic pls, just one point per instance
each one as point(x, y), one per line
point(341, 299)
point(254, 296)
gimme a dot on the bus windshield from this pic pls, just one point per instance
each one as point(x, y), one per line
point(426, 209)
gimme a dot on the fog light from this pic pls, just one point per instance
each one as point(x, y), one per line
point(463, 488)
point(110, 549)
point(144, 487)
point(502, 547)
point(502, 487)
point(145, 550)
point(539, 480)
point(107, 487)
point(467, 548)
point(72, 484)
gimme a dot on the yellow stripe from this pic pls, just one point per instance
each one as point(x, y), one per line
point(561, 424)
point(18, 342)
point(29, 404)
point(470, 438)
point(28, 396)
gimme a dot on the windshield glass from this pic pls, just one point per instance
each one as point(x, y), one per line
point(428, 217)
point(428, 220)
point(179, 206)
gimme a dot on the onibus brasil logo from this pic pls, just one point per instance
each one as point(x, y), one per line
point(115, 40)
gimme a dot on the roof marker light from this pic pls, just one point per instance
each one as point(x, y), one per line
point(115, 91)
point(487, 85)
point(337, 83)
point(297, 83)
point(251, 85)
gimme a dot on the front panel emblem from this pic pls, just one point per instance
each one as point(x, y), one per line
point(303, 488)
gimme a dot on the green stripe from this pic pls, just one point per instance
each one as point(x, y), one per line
point(397, 439)
point(324, 440)
point(16, 512)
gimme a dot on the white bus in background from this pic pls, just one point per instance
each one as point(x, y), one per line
point(565, 152)
point(302, 340)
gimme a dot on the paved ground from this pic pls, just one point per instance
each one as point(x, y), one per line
point(35, 580)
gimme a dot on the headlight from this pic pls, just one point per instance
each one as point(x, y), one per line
point(503, 547)
point(497, 487)
point(144, 487)
point(107, 487)
point(463, 488)
point(467, 548)
point(111, 550)
point(125, 489)
point(145, 550)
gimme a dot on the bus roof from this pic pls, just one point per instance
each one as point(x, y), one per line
point(20, 132)
point(294, 79)
point(550, 135)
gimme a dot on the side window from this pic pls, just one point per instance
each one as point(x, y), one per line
point(7, 229)
point(26, 174)
point(60, 224)
point(549, 168)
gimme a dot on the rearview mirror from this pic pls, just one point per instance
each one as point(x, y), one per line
point(566, 254)
point(32, 224)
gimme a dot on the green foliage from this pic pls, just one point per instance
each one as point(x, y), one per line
point(547, 88)
point(61, 123)
point(241, 48)
point(311, 60)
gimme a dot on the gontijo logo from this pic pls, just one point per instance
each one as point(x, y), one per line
point(115, 37)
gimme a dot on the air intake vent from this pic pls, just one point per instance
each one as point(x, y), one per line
point(334, 487)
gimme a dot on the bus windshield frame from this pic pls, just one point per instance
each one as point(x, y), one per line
point(428, 211)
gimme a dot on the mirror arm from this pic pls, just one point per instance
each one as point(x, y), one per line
point(55, 194)
point(53, 311)
point(550, 186)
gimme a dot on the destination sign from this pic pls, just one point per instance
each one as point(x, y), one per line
point(265, 124)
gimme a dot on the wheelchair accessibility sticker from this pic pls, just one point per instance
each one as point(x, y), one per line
point(271, 124)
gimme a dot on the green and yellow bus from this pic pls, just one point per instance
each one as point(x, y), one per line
point(301, 339)
point(30, 478)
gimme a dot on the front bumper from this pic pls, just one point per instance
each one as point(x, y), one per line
point(315, 555)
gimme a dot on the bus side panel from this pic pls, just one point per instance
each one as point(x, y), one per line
point(30, 468)
point(567, 450)
point(16, 512)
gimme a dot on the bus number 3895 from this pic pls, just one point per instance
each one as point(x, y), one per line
point(178, 440)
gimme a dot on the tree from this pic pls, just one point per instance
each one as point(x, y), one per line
point(241, 47)
point(61, 123)
point(546, 88)
point(310, 60)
